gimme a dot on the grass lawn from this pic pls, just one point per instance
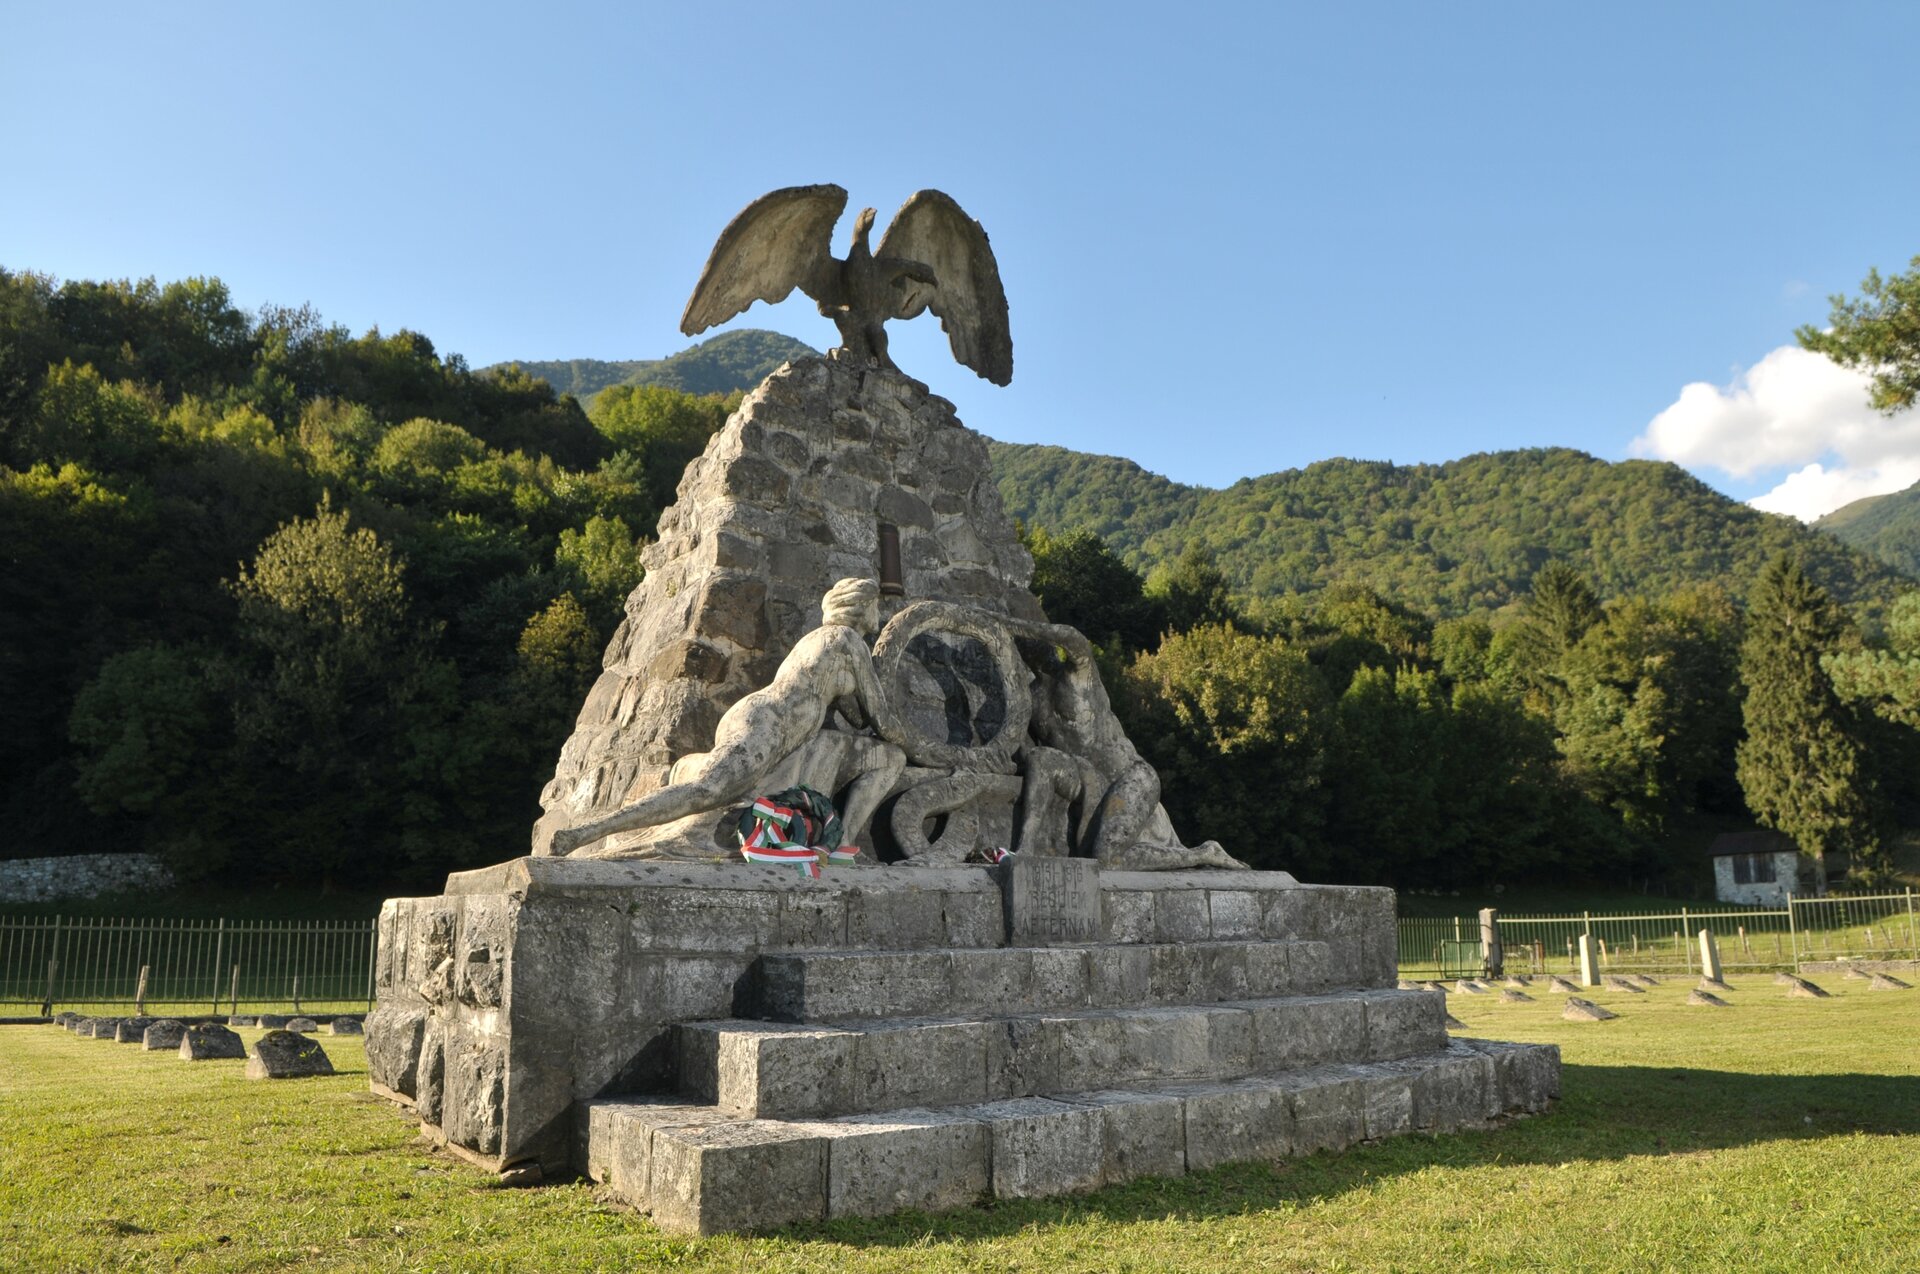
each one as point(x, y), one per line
point(1775, 1135)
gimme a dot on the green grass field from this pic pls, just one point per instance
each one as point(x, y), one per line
point(1775, 1135)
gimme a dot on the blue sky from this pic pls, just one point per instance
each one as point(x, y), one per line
point(1236, 238)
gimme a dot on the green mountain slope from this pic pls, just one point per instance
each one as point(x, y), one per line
point(719, 365)
point(1885, 526)
point(1449, 539)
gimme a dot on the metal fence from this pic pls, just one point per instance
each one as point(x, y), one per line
point(185, 966)
point(1878, 927)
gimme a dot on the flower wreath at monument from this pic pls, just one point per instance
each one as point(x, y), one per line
point(792, 826)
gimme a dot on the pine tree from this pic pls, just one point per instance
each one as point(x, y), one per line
point(1802, 765)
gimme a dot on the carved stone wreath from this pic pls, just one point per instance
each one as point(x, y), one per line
point(957, 684)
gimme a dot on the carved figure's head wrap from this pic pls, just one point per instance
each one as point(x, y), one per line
point(852, 603)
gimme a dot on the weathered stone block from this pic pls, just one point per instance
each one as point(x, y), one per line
point(930, 1160)
point(1239, 1121)
point(394, 1034)
point(1526, 1077)
point(1269, 969)
point(1457, 1090)
point(1059, 977)
point(1180, 915)
point(1402, 1023)
point(210, 1041)
point(920, 1064)
point(825, 987)
point(285, 1055)
point(472, 1110)
point(1146, 1133)
point(705, 1179)
point(302, 1025)
point(1234, 914)
point(763, 1071)
point(430, 1077)
point(131, 1030)
point(104, 1028)
point(1129, 915)
point(1307, 1031)
point(345, 1026)
point(1328, 1109)
point(1042, 1147)
point(1386, 1101)
point(1119, 976)
point(1310, 967)
point(995, 979)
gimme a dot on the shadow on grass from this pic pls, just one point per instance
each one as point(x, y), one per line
point(1607, 1112)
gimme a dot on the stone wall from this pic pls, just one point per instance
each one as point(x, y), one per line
point(80, 876)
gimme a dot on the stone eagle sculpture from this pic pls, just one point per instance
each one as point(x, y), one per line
point(933, 257)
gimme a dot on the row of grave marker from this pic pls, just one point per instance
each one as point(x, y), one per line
point(284, 1052)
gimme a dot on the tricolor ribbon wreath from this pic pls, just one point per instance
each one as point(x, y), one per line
point(797, 827)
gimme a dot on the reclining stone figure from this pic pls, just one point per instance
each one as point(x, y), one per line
point(784, 734)
point(1080, 749)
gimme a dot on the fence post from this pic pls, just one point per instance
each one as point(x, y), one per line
point(219, 956)
point(1490, 942)
point(1793, 935)
point(140, 992)
point(233, 993)
point(296, 993)
point(373, 962)
point(1686, 926)
point(1912, 940)
point(53, 966)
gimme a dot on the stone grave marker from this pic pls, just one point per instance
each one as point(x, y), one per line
point(284, 1054)
point(132, 1030)
point(1614, 982)
point(1579, 1010)
point(163, 1033)
point(1887, 982)
point(1589, 961)
point(210, 1041)
point(301, 1025)
point(1800, 988)
point(344, 1026)
point(1511, 996)
point(1709, 955)
point(1697, 996)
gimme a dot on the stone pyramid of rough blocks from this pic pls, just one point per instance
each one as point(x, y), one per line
point(787, 499)
point(1218, 1018)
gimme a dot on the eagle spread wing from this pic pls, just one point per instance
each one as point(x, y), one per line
point(931, 228)
point(780, 242)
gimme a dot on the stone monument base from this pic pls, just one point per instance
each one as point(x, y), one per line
point(731, 1047)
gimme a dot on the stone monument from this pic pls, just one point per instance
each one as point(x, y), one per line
point(1009, 976)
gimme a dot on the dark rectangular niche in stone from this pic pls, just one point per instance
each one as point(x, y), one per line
point(1050, 901)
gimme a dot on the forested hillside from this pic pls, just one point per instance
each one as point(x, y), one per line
point(1885, 526)
point(289, 603)
point(723, 364)
point(1449, 539)
point(283, 603)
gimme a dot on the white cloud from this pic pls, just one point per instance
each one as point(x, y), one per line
point(1792, 409)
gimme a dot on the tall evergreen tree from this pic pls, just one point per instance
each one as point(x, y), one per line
point(1802, 765)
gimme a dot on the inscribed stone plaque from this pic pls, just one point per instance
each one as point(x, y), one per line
point(1050, 901)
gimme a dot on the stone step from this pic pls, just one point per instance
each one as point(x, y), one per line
point(833, 986)
point(795, 1071)
point(698, 1171)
